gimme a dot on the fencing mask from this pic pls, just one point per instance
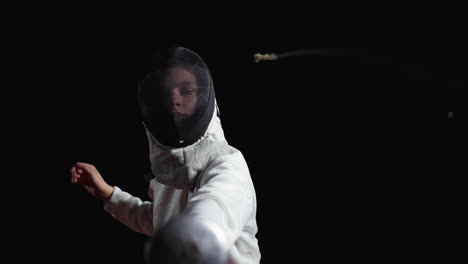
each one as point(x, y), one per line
point(176, 99)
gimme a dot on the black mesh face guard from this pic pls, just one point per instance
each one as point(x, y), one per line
point(177, 99)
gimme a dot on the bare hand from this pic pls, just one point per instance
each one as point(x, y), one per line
point(89, 177)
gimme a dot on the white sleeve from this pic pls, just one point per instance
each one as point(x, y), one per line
point(131, 211)
point(226, 197)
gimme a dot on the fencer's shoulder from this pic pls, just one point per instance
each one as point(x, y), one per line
point(230, 165)
point(228, 172)
point(234, 157)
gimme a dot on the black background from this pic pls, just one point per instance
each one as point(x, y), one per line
point(350, 160)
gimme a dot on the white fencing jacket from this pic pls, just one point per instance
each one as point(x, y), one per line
point(223, 194)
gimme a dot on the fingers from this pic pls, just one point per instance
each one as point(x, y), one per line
point(77, 170)
point(89, 168)
point(73, 170)
point(84, 166)
point(75, 179)
point(74, 175)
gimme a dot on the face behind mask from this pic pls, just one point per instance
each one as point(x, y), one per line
point(176, 99)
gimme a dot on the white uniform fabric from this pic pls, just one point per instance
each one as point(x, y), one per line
point(223, 195)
